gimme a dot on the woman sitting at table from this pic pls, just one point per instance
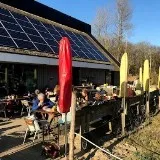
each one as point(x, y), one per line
point(84, 97)
point(56, 92)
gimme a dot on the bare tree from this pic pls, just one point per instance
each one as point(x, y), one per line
point(123, 24)
point(101, 25)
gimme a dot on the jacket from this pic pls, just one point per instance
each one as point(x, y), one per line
point(47, 103)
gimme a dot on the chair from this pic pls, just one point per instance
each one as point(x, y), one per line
point(27, 106)
point(33, 127)
point(3, 108)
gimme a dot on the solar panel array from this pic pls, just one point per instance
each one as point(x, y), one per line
point(19, 31)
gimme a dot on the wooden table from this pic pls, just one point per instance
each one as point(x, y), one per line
point(56, 114)
point(46, 112)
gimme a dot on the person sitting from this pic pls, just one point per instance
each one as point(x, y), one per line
point(42, 103)
point(103, 92)
point(115, 95)
point(84, 98)
point(130, 91)
point(56, 92)
point(45, 104)
point(98, 98)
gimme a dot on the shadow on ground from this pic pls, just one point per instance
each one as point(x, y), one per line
point(28, 154)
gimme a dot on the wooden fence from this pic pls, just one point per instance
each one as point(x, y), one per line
point(110, 112)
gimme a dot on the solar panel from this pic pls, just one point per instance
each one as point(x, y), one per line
point(7, 18)
point(46, 35)
point(18, 35)
point(31, 31)
point(55, 49)
point(36, 39)
point(43, 47)
point(51, 42)
point(3, 32)
point(18, 16)
point(5, 12)
point(25, 23)
point(7, 42)
point(25, 44)
point(19, 31)
point(12, 26)
point(40, 28)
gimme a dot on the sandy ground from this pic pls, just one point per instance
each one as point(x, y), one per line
point(142, 145)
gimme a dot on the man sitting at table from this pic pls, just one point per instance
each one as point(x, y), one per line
point(98, 98)
point(41, 103)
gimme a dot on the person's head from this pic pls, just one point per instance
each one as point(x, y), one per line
point(128, 85)
point(56, 90)
point(114, 91)
point(41, 97)
point(37, 91)
point(84, 92)
point(98, 96)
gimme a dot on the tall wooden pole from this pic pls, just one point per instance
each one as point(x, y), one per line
point(35, 74)
point(6, 75)
point(72, 127)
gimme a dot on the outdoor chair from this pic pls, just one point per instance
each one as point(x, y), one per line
point(32, 127)
point(36, 127)
point(3, 108)
point(25, 105)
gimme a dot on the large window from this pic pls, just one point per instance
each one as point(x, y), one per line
point(17, 78)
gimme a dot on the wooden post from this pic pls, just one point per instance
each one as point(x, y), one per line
point(82, 130)
point(35, 74)
point(6, 75)
point(72, 127)
point(123, 123)
point(159, 99)
point(147, 105)
point(85, 119)
point(123, 116)
point(159, 102)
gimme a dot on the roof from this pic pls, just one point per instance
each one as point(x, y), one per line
point(47, 12)
point(85, 47)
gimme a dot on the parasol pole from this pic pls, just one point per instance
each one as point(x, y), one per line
point(72, 127)
point(66, 138)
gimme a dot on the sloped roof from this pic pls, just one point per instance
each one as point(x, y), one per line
point(111, 59)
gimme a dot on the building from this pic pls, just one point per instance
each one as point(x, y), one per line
point(29, 37)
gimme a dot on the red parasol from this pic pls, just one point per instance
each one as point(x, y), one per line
point(65, 75)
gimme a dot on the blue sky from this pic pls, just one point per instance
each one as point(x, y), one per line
point(146, 15)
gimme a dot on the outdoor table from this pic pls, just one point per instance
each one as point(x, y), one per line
point(56, 114)
point(44, 111)
point(82, 87)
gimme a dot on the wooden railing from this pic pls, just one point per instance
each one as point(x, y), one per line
point(135, 114)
